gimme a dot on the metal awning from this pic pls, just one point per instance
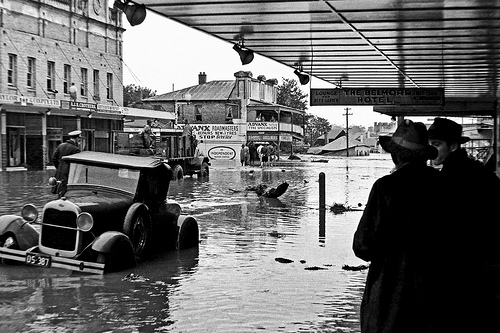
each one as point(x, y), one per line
point(446, 44)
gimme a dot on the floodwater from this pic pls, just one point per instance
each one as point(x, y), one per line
point(233, 282)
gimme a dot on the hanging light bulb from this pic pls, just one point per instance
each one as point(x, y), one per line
point(303, 77)
point(135, 13)
point(246, 55)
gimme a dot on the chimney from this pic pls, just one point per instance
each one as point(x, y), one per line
point(202, 78)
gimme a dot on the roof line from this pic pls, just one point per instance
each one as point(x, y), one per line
point(360, 34)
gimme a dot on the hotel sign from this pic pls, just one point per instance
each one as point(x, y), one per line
point(377, 96)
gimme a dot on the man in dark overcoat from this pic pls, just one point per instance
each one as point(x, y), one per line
point(395, 234)
point(69, 147)
point(471, 282)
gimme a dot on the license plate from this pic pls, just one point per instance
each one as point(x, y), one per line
point(38, 259)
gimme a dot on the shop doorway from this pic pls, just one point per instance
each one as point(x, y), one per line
point(15, 146)
point(88, 140)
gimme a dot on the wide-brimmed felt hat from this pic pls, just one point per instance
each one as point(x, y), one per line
point(410, 141)
point(74, 134)
point(447, 130)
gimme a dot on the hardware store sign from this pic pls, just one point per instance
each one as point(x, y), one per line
point(377, 96)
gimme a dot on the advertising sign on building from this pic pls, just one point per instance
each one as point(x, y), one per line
point(221, 153)
point(220, 132)
point(377, 96)
point(262, 126)
point(83, 106)
point(285, 137)
point(262, 137)
point(29, 100)
point(109, 109)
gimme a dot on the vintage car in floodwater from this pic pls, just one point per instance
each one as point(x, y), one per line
point(113, 214)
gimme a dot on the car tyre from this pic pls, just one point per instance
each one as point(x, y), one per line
point(177, 172)
point(12, 244)
point(188, 234)
point(137, 226)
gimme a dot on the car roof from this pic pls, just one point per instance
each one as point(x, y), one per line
point(113, 160)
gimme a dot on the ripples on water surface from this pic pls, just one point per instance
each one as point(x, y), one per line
point(232, 283)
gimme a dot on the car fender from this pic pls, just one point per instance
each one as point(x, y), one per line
point(170, 210)
point(189, 233)
point(26, 235)
point(111, 241)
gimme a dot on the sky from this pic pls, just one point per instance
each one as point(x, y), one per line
point(163, 55)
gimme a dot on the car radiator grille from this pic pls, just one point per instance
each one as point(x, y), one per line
point(59, 238)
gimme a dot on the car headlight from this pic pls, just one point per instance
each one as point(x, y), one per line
point(52, 181)
point(85, 221)
point(29, 213)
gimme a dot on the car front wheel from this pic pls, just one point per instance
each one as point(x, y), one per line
point(137, 227)
point(11, 243)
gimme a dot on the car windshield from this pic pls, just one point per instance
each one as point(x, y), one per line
point(121, 178)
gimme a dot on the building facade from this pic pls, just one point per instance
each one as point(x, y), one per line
point(226, 114)
point(61, 71)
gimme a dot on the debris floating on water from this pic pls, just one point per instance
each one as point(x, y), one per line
point(355, 268)
point(263, 190)
point(135, 278)
point(314, 268)
point(338, 208)
point(284, 260)
point(276, 234)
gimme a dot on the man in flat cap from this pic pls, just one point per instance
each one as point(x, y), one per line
point(69, 147)
point(469, 233)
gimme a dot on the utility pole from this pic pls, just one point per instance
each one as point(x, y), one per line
point(347, 114)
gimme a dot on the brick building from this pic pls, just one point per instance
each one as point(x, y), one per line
point(225, 114)
point(61, 70)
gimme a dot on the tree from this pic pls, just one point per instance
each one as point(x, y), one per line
point(315, 127)
point(133, 94)
point(289, 94)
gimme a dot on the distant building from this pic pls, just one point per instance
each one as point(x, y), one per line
point(46, 46)
point(332, 135)
point(227, 113)
point(339, 147)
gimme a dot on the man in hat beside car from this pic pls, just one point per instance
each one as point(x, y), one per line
point(471, 228)
point(69, 147)
point(395, 234)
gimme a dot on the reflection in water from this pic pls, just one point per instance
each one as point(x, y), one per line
point(233, 282)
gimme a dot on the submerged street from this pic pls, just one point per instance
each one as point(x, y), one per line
point(262, 264)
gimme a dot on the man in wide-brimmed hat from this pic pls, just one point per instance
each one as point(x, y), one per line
point(472, 229)
point(395, 234)
point(69, 147)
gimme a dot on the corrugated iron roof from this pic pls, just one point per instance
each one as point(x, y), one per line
point(210, 91)
point(449, 44)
